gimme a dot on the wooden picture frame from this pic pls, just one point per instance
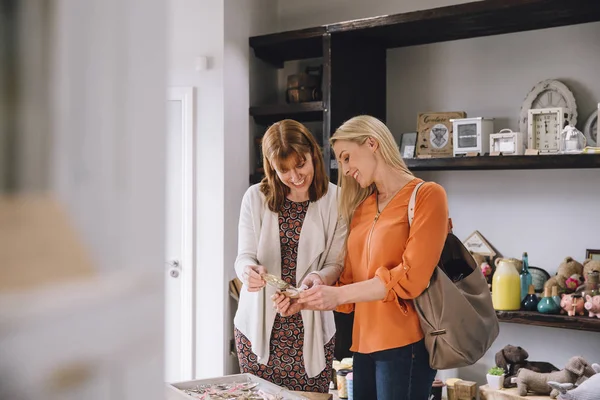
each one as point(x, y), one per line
point(592, 254)
point(476, 243)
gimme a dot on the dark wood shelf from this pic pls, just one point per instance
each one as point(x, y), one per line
point(577, 161)
point(469, 20)
point(461, 21)
point(579, 323)
point(276, 48)
point(302, 112)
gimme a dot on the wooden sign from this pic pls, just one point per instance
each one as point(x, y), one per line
point(434, 133)
point(476, 243)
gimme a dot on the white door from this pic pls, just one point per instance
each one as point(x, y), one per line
point(179, 265)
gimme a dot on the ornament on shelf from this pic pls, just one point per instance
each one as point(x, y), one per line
point(572, 140)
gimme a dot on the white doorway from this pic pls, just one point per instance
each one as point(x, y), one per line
point(180, 215)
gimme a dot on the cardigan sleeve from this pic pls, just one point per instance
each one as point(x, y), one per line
point(424, 246)
point(247, 245)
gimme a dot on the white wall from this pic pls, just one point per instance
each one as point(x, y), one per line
point(220, 30)
point(196, 29)
point(550, 214)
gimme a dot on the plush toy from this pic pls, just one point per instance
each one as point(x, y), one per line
point(566, 269)
point(513, 358)
point(588, 390)
point(589, 266)
point(536, 382)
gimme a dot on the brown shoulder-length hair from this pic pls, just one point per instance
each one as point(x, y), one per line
point(285, 143)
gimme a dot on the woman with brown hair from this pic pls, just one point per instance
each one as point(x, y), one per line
point(289, 227)
point(387, 263)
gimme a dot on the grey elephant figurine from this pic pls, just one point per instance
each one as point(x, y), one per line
point(588, 390)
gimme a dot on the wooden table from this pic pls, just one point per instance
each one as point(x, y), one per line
point(316, 396)
point(485, 393)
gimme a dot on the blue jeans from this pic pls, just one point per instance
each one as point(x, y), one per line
point(402, 373)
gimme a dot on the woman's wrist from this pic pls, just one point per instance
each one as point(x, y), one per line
point(344, 295)
point(365, 291)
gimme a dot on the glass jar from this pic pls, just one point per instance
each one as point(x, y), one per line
point(506, 286)
point(572, 141)
point(342, 384)
point(530, 301)
point(350, 385)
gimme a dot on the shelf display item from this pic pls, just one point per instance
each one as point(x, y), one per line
point(572, 141)
point(530, 301)
point(549, 93)
point(506, 286)
point(434, 133)
point(525, 276)
point(471, 135)
point(544, 128)
point(508, 143)
point(590, 130)
point(547, 305)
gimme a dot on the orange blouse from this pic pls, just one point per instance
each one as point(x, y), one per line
point(403, 259)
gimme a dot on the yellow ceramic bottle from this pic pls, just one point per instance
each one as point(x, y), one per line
point(506, 285)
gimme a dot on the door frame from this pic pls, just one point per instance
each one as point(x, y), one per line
point(188, 251)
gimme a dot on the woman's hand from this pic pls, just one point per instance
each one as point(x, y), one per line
point(311, 280)
point(286, 306)
point(320, 298)
point(252, 277)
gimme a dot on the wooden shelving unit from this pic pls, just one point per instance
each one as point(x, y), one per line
point(582, 323)
point(505, 162)
point(354, 56)
point(461, 21)
point(354, 65)
point(302, 112)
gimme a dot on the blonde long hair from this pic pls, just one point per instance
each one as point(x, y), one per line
point(358, 129)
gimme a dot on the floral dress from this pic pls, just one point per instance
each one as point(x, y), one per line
point(286, 365)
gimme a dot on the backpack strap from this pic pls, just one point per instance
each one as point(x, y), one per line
point(412, 202)
point(411, 207)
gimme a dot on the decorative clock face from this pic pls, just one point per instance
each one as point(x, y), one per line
point(549, 99)
point(467, 135)
point(546, 131)
point(549, 93)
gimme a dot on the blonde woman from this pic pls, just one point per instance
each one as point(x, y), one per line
point(387, 263)
point(289, 227)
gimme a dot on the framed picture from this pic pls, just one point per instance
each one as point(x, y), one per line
point(477, 244)
point(408, 142)
point(592, 254)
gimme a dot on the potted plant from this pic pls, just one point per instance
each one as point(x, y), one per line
point(495, 378)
